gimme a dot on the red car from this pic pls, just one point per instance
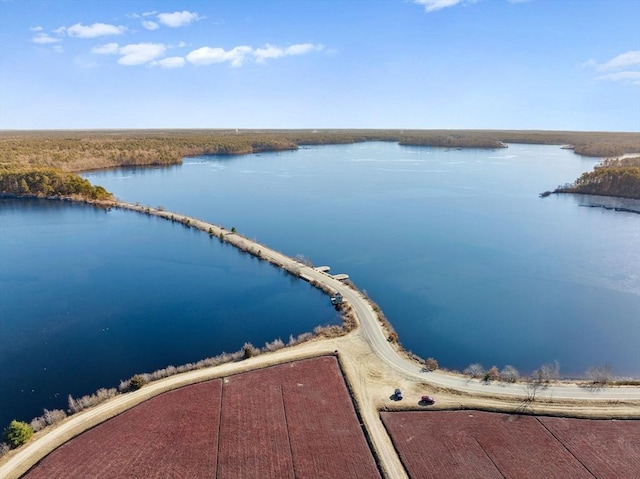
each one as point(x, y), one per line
point(427, 400)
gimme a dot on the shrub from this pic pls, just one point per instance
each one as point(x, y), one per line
point(4, 448)
point(600, 375)
point(137, 381)
point(248, 350)
point(492, 374)
point(474, 370)
point(431, 364)
point(509, 374)
point(547, 372)
point(17, 433)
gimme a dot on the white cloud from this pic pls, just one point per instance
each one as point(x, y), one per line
point(434, 5)
point(624, 68)
point(43, 39)
point(92, 31)
point(36, 29)
point(57, 48)
point(107, 49)
point(623, 60)
point(178, 19)
point(208, 55)
point(170, 62)
point(238, 55)
point(271, 51)
point(149, 25)
point(140, 53)
point(625, 77)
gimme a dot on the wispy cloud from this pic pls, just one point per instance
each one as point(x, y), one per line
point(140, 53)
point(92, 31)
point(208, 55)
point(622, 68)
point(149, 25)
point(170, 62)
point(178, 19)
point(238, 55)
point(631, 77)
point(107, 49)
point(271, 51)
point(434, 5)
point(621, 61)
point(44, 39)
point(132, 54)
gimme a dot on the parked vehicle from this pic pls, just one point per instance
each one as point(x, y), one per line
point(398, 395)
point(427, 400)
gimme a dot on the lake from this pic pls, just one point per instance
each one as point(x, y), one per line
point(464, 258)
point(88, 298)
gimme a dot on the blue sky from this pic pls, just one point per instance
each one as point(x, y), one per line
point(538, 64)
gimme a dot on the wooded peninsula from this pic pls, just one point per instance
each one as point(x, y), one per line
point(43, 163)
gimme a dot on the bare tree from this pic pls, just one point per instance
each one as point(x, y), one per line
point(431, 364)
point(547, 372)
point(509, 374)
point(474, 370)
point(600, 375)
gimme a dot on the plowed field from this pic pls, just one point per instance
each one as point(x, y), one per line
point(287, 421)
point(463, 444)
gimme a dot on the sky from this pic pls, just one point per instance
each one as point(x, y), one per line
point(419, 64)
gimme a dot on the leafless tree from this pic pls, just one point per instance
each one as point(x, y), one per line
point(474, 370)
point(600, 375)
point(509, 374)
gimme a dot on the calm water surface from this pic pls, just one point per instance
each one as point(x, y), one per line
point(88, 298)
point(455, 245)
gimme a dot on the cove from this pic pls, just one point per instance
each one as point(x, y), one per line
point(90, 297)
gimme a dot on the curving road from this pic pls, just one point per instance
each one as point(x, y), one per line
point(368, 321)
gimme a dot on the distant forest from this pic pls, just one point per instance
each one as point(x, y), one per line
point(22, 152)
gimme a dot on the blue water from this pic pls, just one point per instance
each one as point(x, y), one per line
point(456, 247)
point(89, 297)
point(465, 259)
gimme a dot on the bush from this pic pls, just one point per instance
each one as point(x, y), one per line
point(4, 448)
point(600, 375)
point(431, 364)
point(547, 372)
point(249, 351)
point(18, 433)
point(492, 374)
point(474, 370)
point(137, 381)
point(509, 374)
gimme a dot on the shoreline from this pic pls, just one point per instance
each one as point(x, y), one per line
point(371, 365)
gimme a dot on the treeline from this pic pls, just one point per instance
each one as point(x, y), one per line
point(623, 182)
point(87, 150)
point(47, 182)
point(618, 177)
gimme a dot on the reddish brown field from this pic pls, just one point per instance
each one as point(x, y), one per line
point(463, 444)
point(609, 449)
point(292, 420)
point(299, 418)
point(166, 437)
